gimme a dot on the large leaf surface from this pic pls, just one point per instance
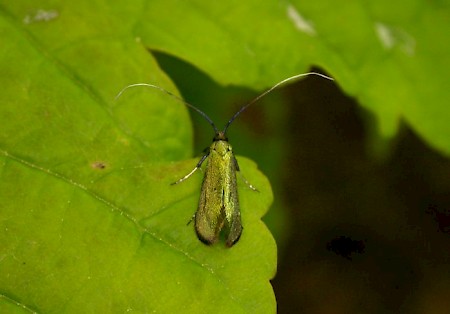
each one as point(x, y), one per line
point(89, 220)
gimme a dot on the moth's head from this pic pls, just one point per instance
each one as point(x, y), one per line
point(220, 136)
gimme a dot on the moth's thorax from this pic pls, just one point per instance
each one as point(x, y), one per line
point(221, 147)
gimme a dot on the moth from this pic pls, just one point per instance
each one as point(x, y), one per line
point(218, 208)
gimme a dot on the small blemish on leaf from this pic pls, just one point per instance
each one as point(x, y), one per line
point(300, 22)
point(391, 37)
point(40, 16)
point(98, 165)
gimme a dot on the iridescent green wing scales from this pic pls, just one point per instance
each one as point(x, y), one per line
point(209, 218)
point(232, 209)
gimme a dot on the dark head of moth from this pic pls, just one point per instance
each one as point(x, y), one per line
point(218, 208)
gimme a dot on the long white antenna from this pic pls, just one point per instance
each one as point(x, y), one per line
point(173, 96)
point(269, 90)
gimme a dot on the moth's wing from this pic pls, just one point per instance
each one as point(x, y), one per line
point(231, 203)
point(209, 218)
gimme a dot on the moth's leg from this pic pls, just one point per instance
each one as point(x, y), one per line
point(199, 164)
point(190, 220)
point(242, 176)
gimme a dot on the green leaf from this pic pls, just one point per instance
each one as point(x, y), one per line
point(89, 220)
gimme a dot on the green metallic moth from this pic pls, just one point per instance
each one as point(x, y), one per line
point(218, 208)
